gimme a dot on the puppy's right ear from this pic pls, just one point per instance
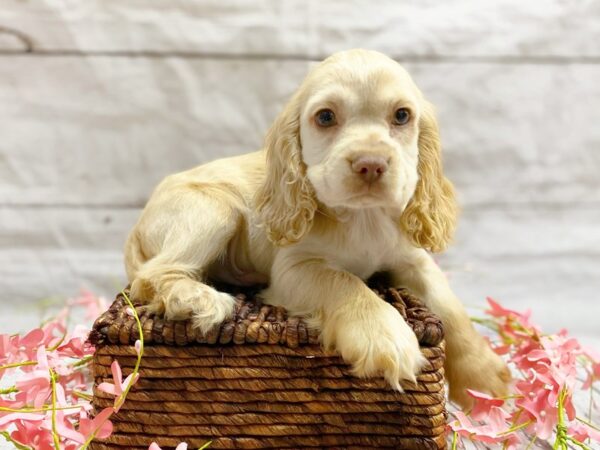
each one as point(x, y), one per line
point(286, 201)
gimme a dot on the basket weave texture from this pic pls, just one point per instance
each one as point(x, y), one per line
point(261, 380)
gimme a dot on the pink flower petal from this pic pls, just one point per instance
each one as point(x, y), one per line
point(589, 380)
point(497, 420)
point(496, 310)
point(154, 446)
point(482, 396)
point(502, 349)
point(42, 358)
point(581, 432)
point(117, 376)
point(33, 338)
point(32, 435)
point(536, 355)
point(101, 424)
point(109, 388)
point(12, 417)
point(182, 446)
point(138, 349)
point(67, 432)
point(105, 430)
point(5, 346)
point(130, 379)
point(483, 404)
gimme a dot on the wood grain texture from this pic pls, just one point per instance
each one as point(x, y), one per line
point(300, 29)
point(120, 125)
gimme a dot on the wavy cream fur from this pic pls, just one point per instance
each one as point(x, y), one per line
point(285, 202)
point(295, 215)
point(430, 217)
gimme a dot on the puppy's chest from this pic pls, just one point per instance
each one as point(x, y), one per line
point(368, 247)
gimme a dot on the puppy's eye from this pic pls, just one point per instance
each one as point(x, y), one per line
point(325, 118)
point(401, 116)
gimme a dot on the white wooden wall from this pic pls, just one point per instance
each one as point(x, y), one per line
point(101, 99)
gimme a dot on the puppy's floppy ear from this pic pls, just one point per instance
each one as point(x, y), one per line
point(286, 202)
point(430, 216)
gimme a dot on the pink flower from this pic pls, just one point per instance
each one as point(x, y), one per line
point(119, 386)
point(5, 346)
point(30, 434)
point(546, 417)
point(581, 432)
point(483, 404)
point(501, 349)
point(34, 387)
point(496, 310)
point(76, 346)
point(64, 426)
point(54, 351)
point(593, 372)
point(25, 348)
point(55, 330)
point(492, 432)
point(94, 305)
point(513, 326)
point(7, 419)
point(99, 424)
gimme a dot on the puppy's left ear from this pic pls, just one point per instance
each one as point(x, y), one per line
point(430, 217)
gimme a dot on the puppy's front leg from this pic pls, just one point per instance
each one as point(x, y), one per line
point(470, 362)
point(367, 332)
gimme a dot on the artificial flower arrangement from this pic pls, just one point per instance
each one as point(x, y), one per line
point(45, 386)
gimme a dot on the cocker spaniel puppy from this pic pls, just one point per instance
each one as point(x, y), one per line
point(349, 183)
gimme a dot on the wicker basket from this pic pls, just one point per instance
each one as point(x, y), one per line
point(262, 381)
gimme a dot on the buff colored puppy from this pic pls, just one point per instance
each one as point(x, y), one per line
point(349, 183)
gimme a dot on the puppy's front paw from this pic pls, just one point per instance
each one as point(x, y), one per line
point(378, 342)
point(187, 298)
point(479, 369)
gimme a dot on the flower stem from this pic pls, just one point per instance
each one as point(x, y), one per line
point(83, 361)
point(588, 423)
point(531, 442)
point(60, 341)
point(9, 390)
point(516, 428)
point(578, 444)
point(82, 395)
point(55, 437)
point(19, 364)
point(454, 440)
point(561, 429)
point(37, 410)
point(136, 369)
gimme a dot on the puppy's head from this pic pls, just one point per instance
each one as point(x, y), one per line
point(357, 134)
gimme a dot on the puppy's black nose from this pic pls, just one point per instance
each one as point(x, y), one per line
point(369, 168)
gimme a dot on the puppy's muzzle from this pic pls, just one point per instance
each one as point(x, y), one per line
point(369, 168)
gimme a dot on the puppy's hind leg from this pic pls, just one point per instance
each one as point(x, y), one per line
point(189, 234)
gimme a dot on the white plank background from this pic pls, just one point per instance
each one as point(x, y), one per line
point(101, 99)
